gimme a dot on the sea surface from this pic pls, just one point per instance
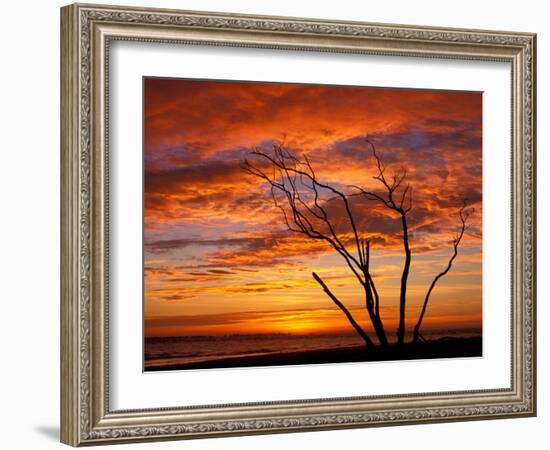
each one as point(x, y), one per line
point(170, 351)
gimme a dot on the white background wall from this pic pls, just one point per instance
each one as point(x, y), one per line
point(29, 224)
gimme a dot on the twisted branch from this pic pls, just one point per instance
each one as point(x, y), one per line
point(464, 214)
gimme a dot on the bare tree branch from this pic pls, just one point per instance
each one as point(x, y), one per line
point(464, 214)
point(288, 167)
point(340, 305)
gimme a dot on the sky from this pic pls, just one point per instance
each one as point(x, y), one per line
point(218, 256)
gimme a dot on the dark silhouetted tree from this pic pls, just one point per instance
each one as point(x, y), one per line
point(302, 198)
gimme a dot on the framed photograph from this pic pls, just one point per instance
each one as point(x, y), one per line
point(276, 225)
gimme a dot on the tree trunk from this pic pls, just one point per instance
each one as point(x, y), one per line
point(375, 319)
point(416, 334)
point(404, 277)
point(340, 305)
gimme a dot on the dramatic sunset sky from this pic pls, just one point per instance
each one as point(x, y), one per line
point(218, 256)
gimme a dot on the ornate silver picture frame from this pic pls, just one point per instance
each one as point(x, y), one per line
point(87, 415)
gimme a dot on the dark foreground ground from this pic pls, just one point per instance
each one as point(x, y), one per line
point(440, 348)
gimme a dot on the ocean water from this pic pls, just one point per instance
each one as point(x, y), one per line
point(186, 349)
point(164, 351)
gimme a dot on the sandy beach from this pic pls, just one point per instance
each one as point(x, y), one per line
point(440, 348)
